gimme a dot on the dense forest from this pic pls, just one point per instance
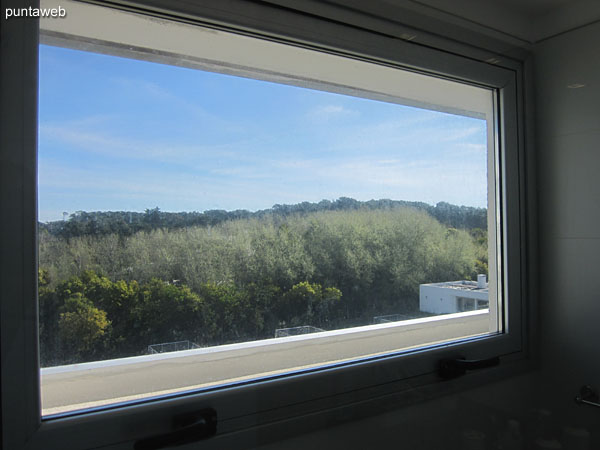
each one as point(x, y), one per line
point(112, 283)
point(126, 223)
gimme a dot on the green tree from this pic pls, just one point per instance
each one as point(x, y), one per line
point(165, 312)
point(81, 327)
point(230, 315)
point(307, 304)
point(48, 316)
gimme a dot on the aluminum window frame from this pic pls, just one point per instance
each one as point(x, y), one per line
point(248, 405)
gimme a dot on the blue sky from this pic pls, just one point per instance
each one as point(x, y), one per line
point(118, 134)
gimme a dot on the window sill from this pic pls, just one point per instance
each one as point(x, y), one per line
point(100, 383)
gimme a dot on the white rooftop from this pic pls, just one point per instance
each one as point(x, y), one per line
point(463, 285)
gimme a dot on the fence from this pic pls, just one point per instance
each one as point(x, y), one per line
point(392, 318)
point(295, 331)
point(171, 347)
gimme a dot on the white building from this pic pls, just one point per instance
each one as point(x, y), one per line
point(454, 296)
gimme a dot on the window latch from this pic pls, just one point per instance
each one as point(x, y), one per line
point(187, 428)
point(452, 368)
point(588, 396)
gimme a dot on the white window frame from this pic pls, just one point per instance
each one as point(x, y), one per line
point(245, 406)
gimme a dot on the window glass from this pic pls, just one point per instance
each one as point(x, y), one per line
point(204, 227)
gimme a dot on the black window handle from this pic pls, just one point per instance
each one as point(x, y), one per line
point(452, 368)
point(588, 396)
point(187, 428)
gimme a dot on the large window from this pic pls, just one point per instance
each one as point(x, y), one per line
point(228, 214)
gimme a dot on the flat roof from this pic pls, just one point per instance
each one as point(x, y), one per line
point(463, 285)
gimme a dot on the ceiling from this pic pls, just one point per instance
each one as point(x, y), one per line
point(528, 20)
point(526, 8)
point(489, 28)
point(529, 8)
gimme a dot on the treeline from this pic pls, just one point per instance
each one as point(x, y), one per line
point(112, 295)
point(90, 317)
point(127, 223)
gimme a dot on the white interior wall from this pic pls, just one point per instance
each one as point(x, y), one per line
point(568, 137)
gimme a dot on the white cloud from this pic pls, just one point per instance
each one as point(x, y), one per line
point(148, 88)
point(329, 112)
point(459, 134)
point(107, 145)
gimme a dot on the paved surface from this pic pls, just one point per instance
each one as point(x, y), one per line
point(87, 385)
